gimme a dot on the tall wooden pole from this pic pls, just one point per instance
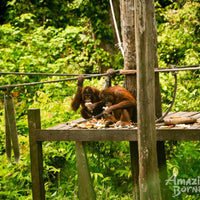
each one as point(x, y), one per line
point(145, 47)
point(128, 38)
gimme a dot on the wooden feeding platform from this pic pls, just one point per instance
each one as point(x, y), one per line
point(64, 132)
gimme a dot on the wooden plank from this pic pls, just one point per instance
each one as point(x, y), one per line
point(11, 128)
point(57, 127)
point(113, 135)
point(181, 114)
point(178, 134)
point(196, 116)
point(65, 126)
point(195, 126)
point(175, 114)
point(8, 136)
point(193, 113)
point(188, 114)
point(169, 114)
point(86, 135)
point(36, 155)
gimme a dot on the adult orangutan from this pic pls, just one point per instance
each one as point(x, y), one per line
point(86, 97)
point(120, 105)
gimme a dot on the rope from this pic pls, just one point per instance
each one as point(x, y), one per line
point(39, 74)
point(175, 68)
point(173, 100)
point(53, 81)
point(186, 68)
point(116, 28)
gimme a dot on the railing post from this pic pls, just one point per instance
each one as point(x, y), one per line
point(36, 155)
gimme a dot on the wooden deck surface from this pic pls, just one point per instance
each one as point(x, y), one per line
point(64, 132)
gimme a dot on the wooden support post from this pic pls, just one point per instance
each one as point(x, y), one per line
point(85, 188)
point(162, 165)
point(36, 155)
point(135, 169)
point(128, 36)
point(145, 46)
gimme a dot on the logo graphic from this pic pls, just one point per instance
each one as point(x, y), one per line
point(184, 185)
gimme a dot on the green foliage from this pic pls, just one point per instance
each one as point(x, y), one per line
point(183, 160)
point(178, 39)
point(50, 50)
point(187, 91)
point(178, 44)
point(110, 165)
point(38, 38)
point(16, 176)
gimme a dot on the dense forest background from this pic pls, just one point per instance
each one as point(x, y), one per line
point(77, 36)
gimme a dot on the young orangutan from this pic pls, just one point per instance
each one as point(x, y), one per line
point(86, 97)
point(120, 103)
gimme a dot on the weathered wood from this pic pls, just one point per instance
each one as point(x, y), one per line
point(114, 135)
point(158, 103)
point(178, 134)
point(181, 120)
point(145, 54)
point(196, 115)
point(36, 155)
point(126, 71)
point(135, 168)
point(85, 188)
point(116, 10)
point(11, 129)
point(162, 166)
point(65, 133)
point(128, 37)
point(86, 135)
point(8, 137)
point(58, 127)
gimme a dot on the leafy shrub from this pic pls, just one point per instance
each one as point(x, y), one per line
point(42, 42)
